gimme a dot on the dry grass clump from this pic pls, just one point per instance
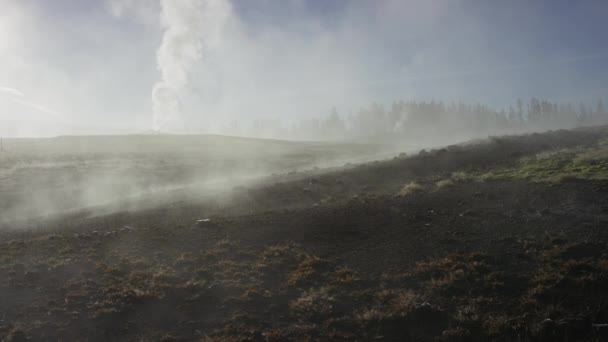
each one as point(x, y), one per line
point(461, 176)
point(458, 274)
point(343, 276)
point(553, 153)
point(496, 325)
point(372, 314)
point(279, 254)
point(444, 183)
point(307, 270)
point(390, 304)
point(318, 302)
point(600, 153)
point(405, 302)
point(410, 188)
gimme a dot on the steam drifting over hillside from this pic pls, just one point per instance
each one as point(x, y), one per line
point(191, 28)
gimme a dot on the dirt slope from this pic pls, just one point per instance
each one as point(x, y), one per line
point(504, 239)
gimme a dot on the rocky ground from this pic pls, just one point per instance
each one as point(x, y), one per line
point(502, 239)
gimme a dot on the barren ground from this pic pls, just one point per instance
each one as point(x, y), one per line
point(503, 240)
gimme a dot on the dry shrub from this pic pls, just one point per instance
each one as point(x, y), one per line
point(458, 273)
point(461, 176)
point(279, 254)
point(497, 325)
point(344, 275)
point(392, 304)
point(371, 315)
point(444, 183)
point(405, 302)
point(307, 270)
point(313, 303)
point(600, 153)
point(410, 188)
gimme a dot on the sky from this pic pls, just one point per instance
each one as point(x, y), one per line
point(93, 65)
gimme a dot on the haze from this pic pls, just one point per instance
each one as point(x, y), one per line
point(208, 66)
point(303, 170)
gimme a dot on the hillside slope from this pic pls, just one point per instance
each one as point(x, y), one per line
point(49, 176)
point(502, 239)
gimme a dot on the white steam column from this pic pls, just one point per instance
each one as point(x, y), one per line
point(191, 27)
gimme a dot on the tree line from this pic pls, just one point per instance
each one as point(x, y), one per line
point(420, 120)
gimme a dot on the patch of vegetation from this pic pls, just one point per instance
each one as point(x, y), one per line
point(555, 168)
point(545, 167)
point(457, 274)
point(410, 188)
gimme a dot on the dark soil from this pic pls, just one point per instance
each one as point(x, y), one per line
point(331, 255)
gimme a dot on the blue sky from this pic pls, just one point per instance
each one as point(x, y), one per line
point(91, 63)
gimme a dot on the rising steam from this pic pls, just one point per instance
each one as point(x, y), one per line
point(192, 27)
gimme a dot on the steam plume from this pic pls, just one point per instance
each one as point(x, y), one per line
point(191, 28)
point(11, 91)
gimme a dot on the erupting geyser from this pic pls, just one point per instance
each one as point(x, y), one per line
point(191, 28)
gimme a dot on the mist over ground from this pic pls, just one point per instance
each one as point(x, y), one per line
point(303, 170)
point(396, 76)
point(42, 178)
